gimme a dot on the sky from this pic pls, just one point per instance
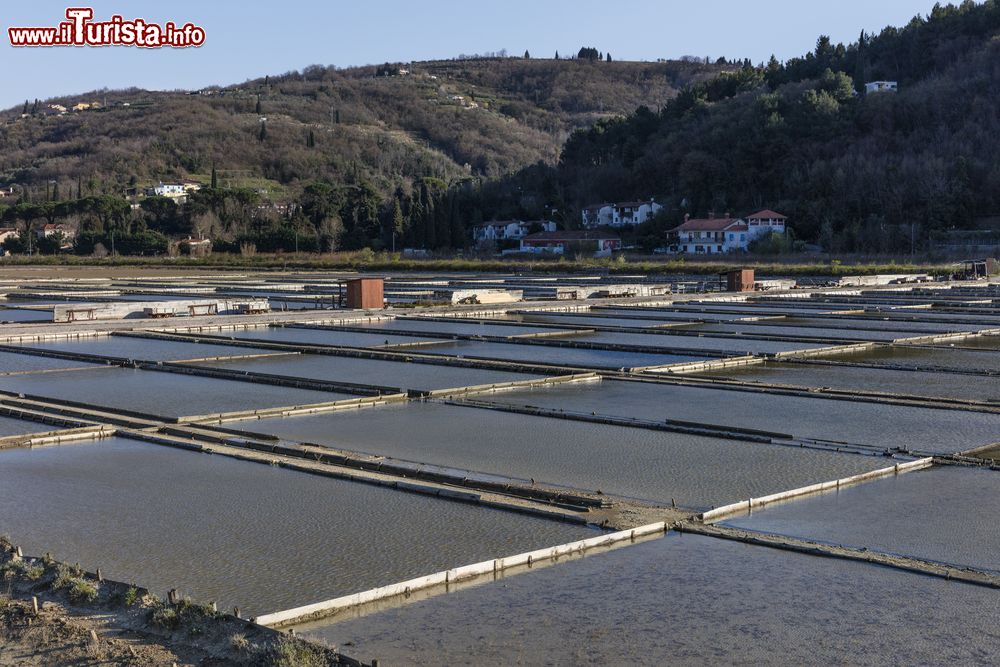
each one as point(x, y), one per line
point(246, 40)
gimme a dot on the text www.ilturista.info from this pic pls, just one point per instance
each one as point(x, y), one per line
point(80, 30)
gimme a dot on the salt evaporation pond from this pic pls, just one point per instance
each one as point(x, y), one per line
point(241, 533)
point(146, 349)
point(859, 422)
point(12, 362)
point(697, 472)
point(976, 361)
point(401, 374)
point(458, 327)
point(687, 600)
point(163, 394)
point(327, 337)
point(10, 426)
point(944, 514)
point(24, 315)
point(920, 383)
point(559, 356)
point(741, 345)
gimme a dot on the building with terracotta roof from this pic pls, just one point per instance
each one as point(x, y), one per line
point(558, 243)
point(713, 235)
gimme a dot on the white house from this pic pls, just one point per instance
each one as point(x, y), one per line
point(8, 233)
point(598, 215)
point(509, 230)
point(765, 222)
point(623, 214)
point(634, 212)
point(711, 235)
point(162, 189)
point(881, 87)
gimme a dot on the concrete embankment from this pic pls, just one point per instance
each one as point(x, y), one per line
point(491, 567)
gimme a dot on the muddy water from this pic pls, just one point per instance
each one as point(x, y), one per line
point(9, 426)
point(142, 348)
point(944, 514)
point(942, 431)
point(698, 472)
point(948, 385)
point(373, 371)
point(164, 394)
point(242, 533)
point(688, 600)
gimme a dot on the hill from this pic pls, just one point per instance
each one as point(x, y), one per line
point(388, 125)
point(866, 172)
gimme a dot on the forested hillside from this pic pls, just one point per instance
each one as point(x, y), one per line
point(855, 171)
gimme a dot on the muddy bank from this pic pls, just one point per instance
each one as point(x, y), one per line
point(53, 613)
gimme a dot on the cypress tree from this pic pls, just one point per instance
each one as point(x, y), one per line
point(215, 178)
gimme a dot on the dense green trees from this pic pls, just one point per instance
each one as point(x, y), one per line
point(877, 172)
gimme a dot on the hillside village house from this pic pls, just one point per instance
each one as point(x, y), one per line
point(711, 235)
point(623, 214)
point(559, 243)
point(505, 230)
point(881, 87)
point(7, 233)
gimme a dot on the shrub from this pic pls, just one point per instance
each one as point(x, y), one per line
point(82, 591)
point(131, 595)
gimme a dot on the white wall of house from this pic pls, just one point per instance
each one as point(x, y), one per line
point(602, 216)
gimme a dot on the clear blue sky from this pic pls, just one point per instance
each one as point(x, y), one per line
point(246, 40)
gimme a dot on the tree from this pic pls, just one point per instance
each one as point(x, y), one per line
point(25, 111)
point(557, 55)
point(258, 105)
point(526, 57)
point(397, 223)
point(310, 140)
point(263, 131)
point(609, 56)
point(215, 178)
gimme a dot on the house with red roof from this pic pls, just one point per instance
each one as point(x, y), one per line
point(558, 243)
point(711, 235)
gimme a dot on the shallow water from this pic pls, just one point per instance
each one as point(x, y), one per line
point(164, 394)
point(24, 315)
point(941, 431)
point(737, 346)
point(945, 514)
point(10, 426)
point(12, 362)
point(147, 349)
point(463, 328)
point(560, 356)
point(946, 385)
point(698, 472)
point(372, 371)
point(242, 533)
point(326, 337)
point(688, 600)
point(807, 332)
point(923, 357)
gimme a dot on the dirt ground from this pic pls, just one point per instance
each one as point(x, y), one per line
point(57, 637)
